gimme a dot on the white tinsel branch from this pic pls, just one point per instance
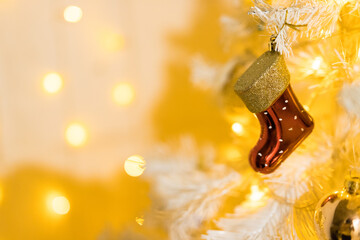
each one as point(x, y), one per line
point(201, 203)
point(301, 18)
point(292, 185)
point(189, 195)
point(349, 98)
point(244, 224)
point(302, 174)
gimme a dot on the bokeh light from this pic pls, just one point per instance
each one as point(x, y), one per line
point(135, 165)
point(139, 220)
point(123, 94)
point(238, 128)
point(52, 82)
point(60, 205)
point(256, 194)
point(76, 134)
point(317, 63)
point(73, 14)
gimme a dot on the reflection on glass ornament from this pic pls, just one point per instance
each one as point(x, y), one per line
point(265, 89)
point(337, 215)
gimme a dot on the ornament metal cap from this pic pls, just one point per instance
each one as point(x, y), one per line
point(263, 82)
point(352, 185)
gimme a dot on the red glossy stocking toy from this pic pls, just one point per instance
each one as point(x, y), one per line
point(266, 91)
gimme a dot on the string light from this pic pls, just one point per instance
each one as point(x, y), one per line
point(73, 14)
point(76, 134)
point(52, 82)
point(238, 128)
point(317, 63)
point(57, 203)
point(60, 205)
point(256, 198)
point(306, 107)
point(140, 220)
point(134, 166)
point(256, 194)
point(123, 94)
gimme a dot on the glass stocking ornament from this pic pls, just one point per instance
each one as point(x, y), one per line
point(265, 89)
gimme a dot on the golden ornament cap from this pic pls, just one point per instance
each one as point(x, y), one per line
point(263, 82)
point(337, 215)
point(352, 185)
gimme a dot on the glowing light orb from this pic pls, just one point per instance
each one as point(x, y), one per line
point(123, 94)
point(237, 128)
point(139, 220)
point(317, 63)
point(306, 107)
point(52, 82)
point(134, 166)
point(73, 14)
point(60, 205)
point(76, 134)
point(256, 194)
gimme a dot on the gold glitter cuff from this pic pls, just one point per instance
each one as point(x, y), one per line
point(263, 82)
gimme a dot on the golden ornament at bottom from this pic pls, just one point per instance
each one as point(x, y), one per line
point(337, 215)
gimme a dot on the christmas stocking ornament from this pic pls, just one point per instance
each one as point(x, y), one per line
point(265, 89)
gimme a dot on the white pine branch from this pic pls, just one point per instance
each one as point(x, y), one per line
point(349, 98)
point(200, 202)
point(290, 21)
point(244, 224)
point(185, 193)
point(302, 173)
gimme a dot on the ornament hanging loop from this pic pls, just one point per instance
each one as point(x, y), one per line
point(272, 43)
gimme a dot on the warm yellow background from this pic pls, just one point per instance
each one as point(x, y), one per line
point(148, 44)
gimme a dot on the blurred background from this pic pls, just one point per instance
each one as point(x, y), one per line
point(119, 121)
point(88, 90)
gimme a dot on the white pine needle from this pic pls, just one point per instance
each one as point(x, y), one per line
point(290, 21)
point(247, 225)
